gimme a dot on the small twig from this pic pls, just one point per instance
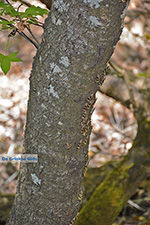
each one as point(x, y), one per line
point(19, 7)
point(27, 38)
point(28, 28)
point(116, 69)
point(136, 206)
point(12, 177)
point(25, 3)
point(1, 18)
point(8, 2)
point(36, 24)
point(40, 24)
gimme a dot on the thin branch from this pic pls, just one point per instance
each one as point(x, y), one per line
point(12, 177)
point(36, 24)
point(28, 28)
point(28, 39)
point(1, 18)
point(25, 3)
point(42, 24)
point(19, 7)
point(133, 204)
point(8, 2)
point(116, 69)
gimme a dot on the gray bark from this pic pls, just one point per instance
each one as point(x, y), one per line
point(79, 38)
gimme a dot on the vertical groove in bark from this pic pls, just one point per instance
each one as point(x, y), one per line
point(79, 38)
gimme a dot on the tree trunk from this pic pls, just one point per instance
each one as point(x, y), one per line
point(79, 38)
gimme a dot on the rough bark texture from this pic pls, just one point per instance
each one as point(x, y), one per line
point(79, 38)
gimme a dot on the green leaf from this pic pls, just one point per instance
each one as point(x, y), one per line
point(35, 11)
point(6, 22)
point(5, 64)
point(12, 57)
point(8, 10)
point(3, 5)
point(1, 57)
point(5, 61)
point(30, 13)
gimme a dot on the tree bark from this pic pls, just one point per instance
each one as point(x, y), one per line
point(79, 38)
